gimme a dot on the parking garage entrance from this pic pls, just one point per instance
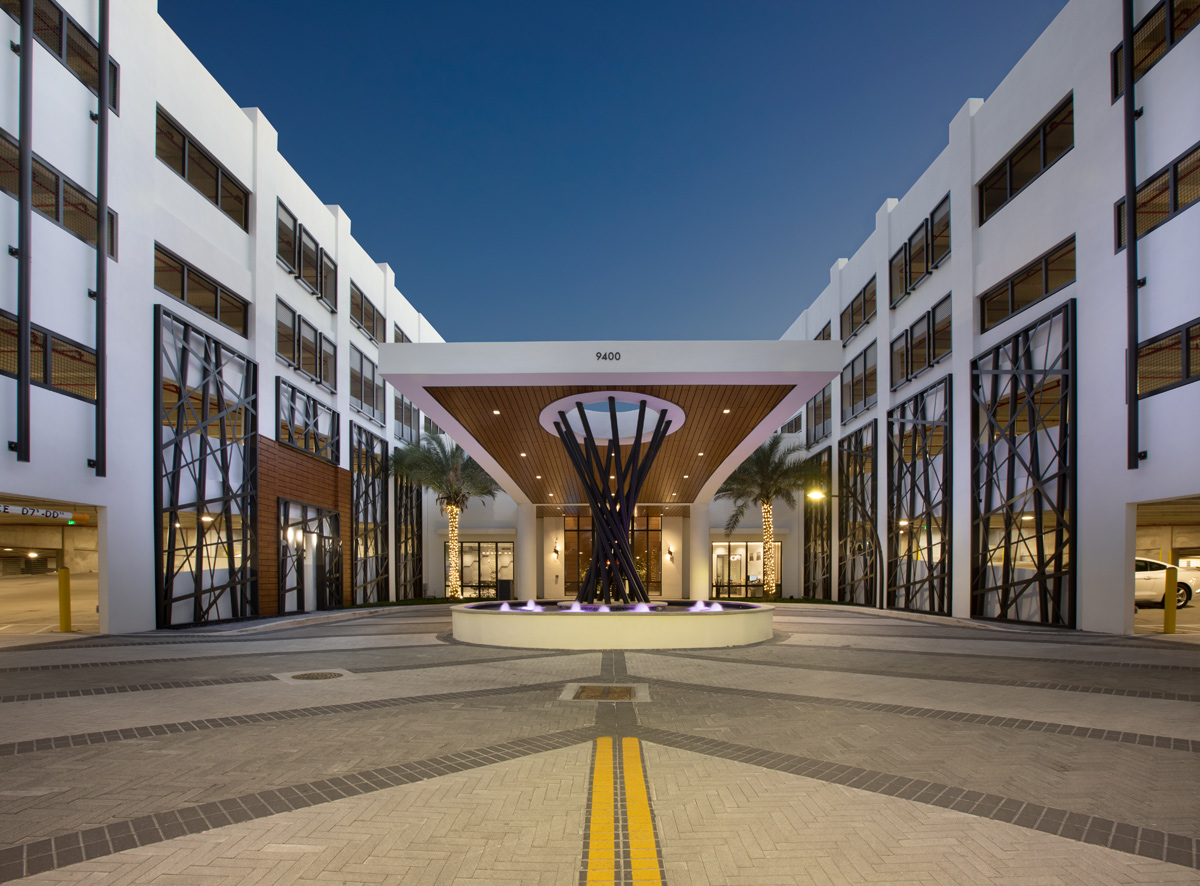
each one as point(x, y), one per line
point(37, 537)
point(1168, 534)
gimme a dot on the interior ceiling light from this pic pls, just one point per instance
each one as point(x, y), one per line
point(1027, 518)
point(538, 477)
point(522, 455)
point(685, 476)
point(725, 411)
point(33, 555)
point(206, 519)
point(903, 522)
point(495, 412)
point(699, 453)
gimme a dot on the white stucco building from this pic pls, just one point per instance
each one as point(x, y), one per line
point(976, 448)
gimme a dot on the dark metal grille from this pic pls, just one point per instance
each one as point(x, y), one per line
point(369, 513)
point(306, 423)
point(409, 542)
point(310, 558)
point(1023, 472)
point(206, 495)
point(919, 527)
point(816, 582)
point(858, 558)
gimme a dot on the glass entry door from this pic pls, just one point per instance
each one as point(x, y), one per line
point(310, 558)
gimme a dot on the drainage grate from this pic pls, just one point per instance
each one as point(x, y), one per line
point(317, 675)
point(604, 693)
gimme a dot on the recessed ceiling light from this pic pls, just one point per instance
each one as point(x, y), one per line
point(539, 476)
point(206, 519)
point(522, 455)
point(685, 476)
point(725, 411)
point(699, 453)
point(551, 494)
point(495, 412)
point(1027, 518)
point(612, 476)
point(903, 522)
point(674, 493)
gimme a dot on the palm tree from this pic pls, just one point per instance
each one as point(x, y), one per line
point(456, 478)
point(769, 473)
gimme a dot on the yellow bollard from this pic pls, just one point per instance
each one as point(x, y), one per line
point(64, 600)
point(1169, 599)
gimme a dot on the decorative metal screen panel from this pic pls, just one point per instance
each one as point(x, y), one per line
point(307, 423)
point(369, 510)
point(310, 558)
point(817, 580)
point(858, 556)
point(207, 419)
point(919, 526)
point(1023, 471)
point(409, 542)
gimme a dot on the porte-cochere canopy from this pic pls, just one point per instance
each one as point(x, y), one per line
point(723, 399)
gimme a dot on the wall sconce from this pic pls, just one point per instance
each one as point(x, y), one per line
point(671, 552)
point(554, 553)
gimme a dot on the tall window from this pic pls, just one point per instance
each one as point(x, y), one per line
point(1023, 471)
point(406, 421)
point(817, 581)
point(859, 383)
point(858, 556)
point(737, 568)
point(366, 316)
point(483, 564)
point(859, 312)
point(207, 415)
point(306, 423)
point(369, 514)
point(366, 389)
point(285, 236)
point(1040, 150)
point(939, 223)
point(819, 415)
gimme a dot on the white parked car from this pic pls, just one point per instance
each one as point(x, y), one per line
point(1149, 579)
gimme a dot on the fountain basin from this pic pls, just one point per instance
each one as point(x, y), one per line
point(678, 627)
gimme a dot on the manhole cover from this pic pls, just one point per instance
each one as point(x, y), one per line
point(317, 675)
point(604, 693)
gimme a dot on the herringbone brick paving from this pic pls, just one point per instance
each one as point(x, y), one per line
point(722, 816)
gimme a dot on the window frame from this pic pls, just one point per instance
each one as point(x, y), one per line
point(189, 143)
point(912, 282)
point(327, 361)
point(1006, 161)
point(1172, 172)
point(934, 355)
point(280, 206)
point(826, 333)
point(314, 288)
point(859, 301)
point(61, 181)
point(376, 413)
point(289, 359)
point(326, 293)
point(221, 289)
point(935, 262)
point(48, 339)
point(1188, 374)
point(1008, 281)
point(901, 254)
point(60, 53)
point(1171, 40)
point(379, 324)
point(899, 380)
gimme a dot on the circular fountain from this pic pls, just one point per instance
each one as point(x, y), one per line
point(675, 625)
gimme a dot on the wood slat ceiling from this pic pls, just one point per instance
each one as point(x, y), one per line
point(642, 511)
point(707, 429)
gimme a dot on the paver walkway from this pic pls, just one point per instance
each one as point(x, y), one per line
point(855, 748)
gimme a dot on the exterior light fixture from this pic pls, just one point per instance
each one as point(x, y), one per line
point(33, 555)
point(176, 525)
point(8, 549)
point(206, 519)
point(1026, 519)
point(816, 494)
point(671, 552)
point(903, 522)
point(554, 553)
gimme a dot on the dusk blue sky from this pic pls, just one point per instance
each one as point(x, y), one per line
point(618, 170)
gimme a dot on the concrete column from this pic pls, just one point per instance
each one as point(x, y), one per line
point(527, 552)
point(699, 553)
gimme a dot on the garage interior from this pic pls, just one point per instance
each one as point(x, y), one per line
point(31, 551)
point(1169, 531)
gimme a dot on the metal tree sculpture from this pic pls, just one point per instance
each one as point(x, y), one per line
point(612, 572)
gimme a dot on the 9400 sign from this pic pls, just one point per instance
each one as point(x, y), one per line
point(608, 355)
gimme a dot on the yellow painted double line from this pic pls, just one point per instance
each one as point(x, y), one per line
point(621, 845)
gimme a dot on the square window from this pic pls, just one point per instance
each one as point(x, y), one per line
point(202, 172)
point(1187, 177)
point(169, 143)
point(1060, 133)
point(233, 312)
point(168, 274)
point(1153, 203)
point(1026, 163)
point(1160, 364)
point(993, 193)
point(1027, 287)
point(72, 369)
point(201, 293)
point(1060, 267)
